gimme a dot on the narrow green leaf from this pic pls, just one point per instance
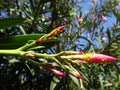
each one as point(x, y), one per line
point(101, 82)
point(54, 83)
point(37, 47)
point(75, 80)
point(14, 42)
point(8, 22)
point(31, 70)
point(108, 34)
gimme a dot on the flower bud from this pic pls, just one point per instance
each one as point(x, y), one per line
point(80, 19)
point(94, 58)
point(58, 73)
point(104, 18)
point(91, 57)
point(100, 58)
point(56, 31)
point(76, 74)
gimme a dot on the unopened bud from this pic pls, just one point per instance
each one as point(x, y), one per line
point(58, 73)
point(56, 31)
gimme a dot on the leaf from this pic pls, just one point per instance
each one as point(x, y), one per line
point(54, 83)
point(108, 34)
point(9, 22)
point(14, 42)
point(37, 47)
point(101, 82)
point(75, 80)
point(31, 70)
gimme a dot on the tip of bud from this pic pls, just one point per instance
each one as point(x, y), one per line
point(79, 76)
point(61, 27)
point(100, 58)
point(58, 73)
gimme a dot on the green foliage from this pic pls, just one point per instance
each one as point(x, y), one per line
point(14, 42)
point(54, 83)
point(75, 80)
point(9, 22)
point(41, 16)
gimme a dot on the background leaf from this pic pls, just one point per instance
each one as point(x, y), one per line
point(8, 22)
point(75, 80)
point(54, 83)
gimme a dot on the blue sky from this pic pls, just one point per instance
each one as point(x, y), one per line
point(111, 20)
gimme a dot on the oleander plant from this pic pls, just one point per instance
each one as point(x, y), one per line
point(57, 45)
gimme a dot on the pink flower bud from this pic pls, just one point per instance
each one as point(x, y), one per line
point(80, 19)
point(91, 57)
point(100, 58)
point(104, 18)
point(23, 15)
point(94, 1)
point(58, 73)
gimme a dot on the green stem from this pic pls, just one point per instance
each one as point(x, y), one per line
point(33, 62)
point(47, 56)
point(11, 52)
point(27, 45)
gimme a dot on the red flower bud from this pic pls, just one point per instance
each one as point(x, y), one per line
point(79, 76)
point(94, 58)
point(60, 29)
point(58, 73)
point(91, 57)
point(100, 58)
point(56, 31)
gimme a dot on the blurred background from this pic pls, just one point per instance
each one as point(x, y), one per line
point(91, 26)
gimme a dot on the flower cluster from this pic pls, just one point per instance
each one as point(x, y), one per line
point(78, 58)
point(67, 59)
